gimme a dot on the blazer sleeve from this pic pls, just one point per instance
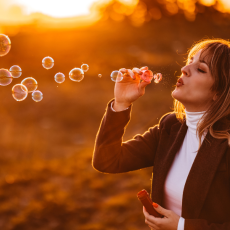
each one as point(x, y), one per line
point(112, 155)
point(201, 224)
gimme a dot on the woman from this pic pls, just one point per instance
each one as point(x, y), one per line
point(189, 148)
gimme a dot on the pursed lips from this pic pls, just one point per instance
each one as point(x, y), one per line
point(180, 82)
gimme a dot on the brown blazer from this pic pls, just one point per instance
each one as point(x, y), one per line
point(206, 195)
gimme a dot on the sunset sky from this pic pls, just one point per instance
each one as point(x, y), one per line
point(54, 8)
point(57, 8)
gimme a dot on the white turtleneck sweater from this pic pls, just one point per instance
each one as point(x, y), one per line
point(178, 173)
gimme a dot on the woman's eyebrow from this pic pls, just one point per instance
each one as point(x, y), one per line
point(203, 61)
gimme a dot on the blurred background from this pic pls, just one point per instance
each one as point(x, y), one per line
point(46, 176)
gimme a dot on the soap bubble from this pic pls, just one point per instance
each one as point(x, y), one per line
point(19, 92)
point(47, 62)
point(99, 75)
point(5, 45)
point(76, 74)
point(37, 95)
point(85, 67)
point(15, 71)
point(30, 83)
point(157, 77)
point(147, 75)
point(59, 77)
point(116, 76)
point(5, 77)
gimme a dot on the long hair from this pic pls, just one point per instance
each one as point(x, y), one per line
point(218, 53)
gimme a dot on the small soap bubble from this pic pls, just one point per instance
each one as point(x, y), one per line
point(147, 75)
point(76, 74)
point(37, 95)
point(15, 71)
point(30, 83)
point(5, 77)
point(19, 92)
point(116, 76)
point(5, 45)
point(47, 62)
point(59, 77)
point(157, 77)
point(99, 75)
point(85, 67)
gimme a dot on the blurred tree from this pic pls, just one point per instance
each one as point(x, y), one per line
point(147, 10)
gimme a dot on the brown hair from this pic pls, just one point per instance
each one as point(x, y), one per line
point(217, 116)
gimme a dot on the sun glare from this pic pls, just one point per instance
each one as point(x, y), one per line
point(57, 8)
point(61, 8)
point(208, 2)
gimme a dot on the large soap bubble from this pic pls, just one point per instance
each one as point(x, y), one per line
point(48, 62)
point(76, 74)
point(116, 76)
point(15, 71)
point(5, 45)
point(5, 77)
point(19, 92)
point(30, 83)
point(37, 95)
point(59, 77)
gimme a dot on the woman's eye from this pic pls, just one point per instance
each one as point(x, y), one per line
point(201, 71)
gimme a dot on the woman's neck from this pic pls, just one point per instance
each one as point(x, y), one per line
point(192, 119)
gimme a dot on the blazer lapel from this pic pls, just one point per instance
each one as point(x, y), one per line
point(201, 175)
point(176, 138)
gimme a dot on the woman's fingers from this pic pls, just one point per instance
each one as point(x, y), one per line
point(144, 68)
point(131, 74)
point(143, 74)
point(137, 70)
point(123, 70)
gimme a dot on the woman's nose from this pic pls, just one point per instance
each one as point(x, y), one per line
point(185, 70)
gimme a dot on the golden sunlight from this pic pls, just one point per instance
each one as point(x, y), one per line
point(62, 8)
point(208, 2)
point(67, 13)
point(57, 8)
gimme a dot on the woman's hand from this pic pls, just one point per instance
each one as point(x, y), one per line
point(129, 89)
point(169, 222)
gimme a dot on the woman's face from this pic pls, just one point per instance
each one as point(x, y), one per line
point(195, 94)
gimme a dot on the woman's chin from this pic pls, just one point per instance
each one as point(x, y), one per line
point(175, 94)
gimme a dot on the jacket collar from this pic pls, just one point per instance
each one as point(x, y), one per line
point(202, 171)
